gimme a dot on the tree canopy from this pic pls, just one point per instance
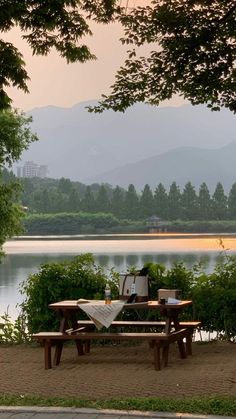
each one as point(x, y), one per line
point(15, 136)
point(45, 196)
point(193, 54)
point(47, 24)
point(192, 47)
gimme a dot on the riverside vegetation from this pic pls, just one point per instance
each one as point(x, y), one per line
point(61, 206)
point(213, 295)
point(214, 300)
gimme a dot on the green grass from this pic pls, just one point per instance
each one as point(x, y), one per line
point(215, 405)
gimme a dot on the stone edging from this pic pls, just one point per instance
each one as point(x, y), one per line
point(104, 412)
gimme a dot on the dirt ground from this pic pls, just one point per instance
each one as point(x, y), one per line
point(113, 372)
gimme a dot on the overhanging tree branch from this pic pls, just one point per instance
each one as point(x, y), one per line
point(194, 56)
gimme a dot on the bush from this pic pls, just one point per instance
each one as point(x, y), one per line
point(70, 280)
point(13, 332)
point(69, 223)
point(214, 298)
point(178, 277)
point(213, 295)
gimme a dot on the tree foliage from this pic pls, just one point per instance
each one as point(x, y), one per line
point(219, 202)
point(15, 136)
point(193, 53)
point(160, 201)
point(192, 47)
point(189, 202)
point(146, 202)
point(47, 197)
point(232, 202)
point(204, 202)
point(59, 24)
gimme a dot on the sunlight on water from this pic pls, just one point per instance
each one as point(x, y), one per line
point(151, 243)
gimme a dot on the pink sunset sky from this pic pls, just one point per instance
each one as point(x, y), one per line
point(54, 82)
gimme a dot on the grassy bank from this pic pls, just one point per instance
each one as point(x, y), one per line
point(214, 406)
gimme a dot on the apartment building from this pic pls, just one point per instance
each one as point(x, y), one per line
point(32, 169)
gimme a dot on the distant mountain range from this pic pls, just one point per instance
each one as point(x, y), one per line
point(182, 164)
point(144, 145)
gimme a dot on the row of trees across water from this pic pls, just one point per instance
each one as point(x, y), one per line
point(51, 196)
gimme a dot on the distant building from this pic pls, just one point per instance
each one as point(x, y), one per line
point(19, 171)
point(31, 169)
point(42, 171)
point(154, 224)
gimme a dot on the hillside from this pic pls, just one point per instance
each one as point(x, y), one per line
point(181, 165)
point(80, 146)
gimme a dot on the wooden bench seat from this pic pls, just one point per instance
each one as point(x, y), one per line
point(141, 324)
point(190, 325)
point(156, 340)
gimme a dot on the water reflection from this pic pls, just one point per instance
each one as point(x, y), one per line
point(220, 258)
point(15, 269)
point(132, 260)
point(148, 258)
point(118, 261)
point(102, 260)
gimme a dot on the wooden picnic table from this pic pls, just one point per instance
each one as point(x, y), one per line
point(68, 311)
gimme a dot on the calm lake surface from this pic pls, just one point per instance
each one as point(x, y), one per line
point(25, 256)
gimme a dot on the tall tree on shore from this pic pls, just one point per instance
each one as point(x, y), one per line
point(117, 202)
point(131, 203)
point(88, 201)
point(64, 185)
point(219, 203)
point(204, 203)
point(232, 202)
point(189, 203)
point(102, 202)
point(74, 203)
point(146, 207)
point(174, 202)
point(161, 202)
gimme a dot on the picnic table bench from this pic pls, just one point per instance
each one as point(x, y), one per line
point(191, 326)
point(157, 341)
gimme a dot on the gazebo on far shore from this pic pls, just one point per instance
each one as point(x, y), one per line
point(154, 224)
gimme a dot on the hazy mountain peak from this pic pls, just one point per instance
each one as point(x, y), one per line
point(79, 145)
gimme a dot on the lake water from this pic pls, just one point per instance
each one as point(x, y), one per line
point(24, 256)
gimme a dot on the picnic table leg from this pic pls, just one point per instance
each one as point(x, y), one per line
point(182, 350)
point(165, 354)
point(87, 347)
point(47, 354)
point(181, 345)
point(189, 343)
point(63, 324)
point(58, 352)
point(168, 324)
point(80, 348)
point(156, 353)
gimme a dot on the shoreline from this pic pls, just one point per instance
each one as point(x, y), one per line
point(111, 236)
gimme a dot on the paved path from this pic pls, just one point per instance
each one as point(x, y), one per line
point(70, 413)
